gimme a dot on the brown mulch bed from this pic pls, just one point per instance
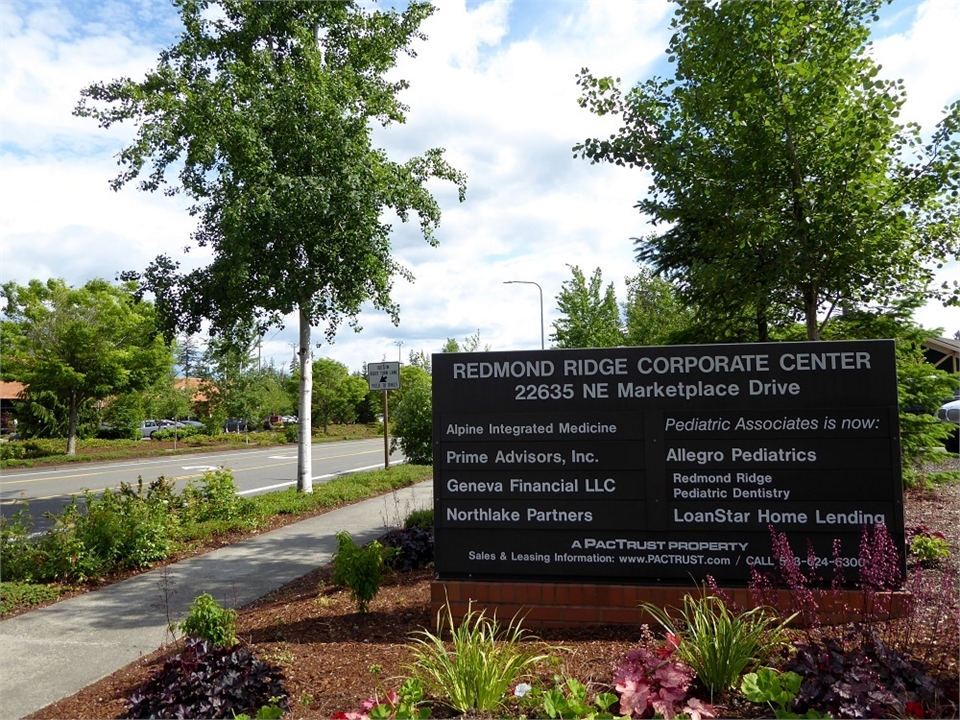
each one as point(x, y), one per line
point(312, 631)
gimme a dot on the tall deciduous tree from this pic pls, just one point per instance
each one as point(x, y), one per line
point(228, 377)
point(591, 318)
point(653, 314)
point(337, 393)
point(81, 345)
point(784, 179)
point(264, 109)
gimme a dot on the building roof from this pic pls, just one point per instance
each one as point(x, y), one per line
point(10, 390)
point(948, 350)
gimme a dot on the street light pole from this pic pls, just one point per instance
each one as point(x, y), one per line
point(530, 282)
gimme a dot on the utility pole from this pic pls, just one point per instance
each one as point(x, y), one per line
point(399, 344)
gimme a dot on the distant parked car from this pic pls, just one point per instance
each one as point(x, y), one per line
point(950, 413)
point(193, 423)
point(148, 428)
point(235, 425)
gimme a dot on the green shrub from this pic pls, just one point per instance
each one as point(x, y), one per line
point(718, 643)
point(123, 528)
point(211, 621)
point(291, 432)
point(413, 425)
point(214, 497)
point(358, 568)
point(422, 519)
point(776, 690)
point(929, 549)
point(31, 449)
point(178, 433)
point(568, 699)
point(18, 559)
point(118, 432)
point(60, 553)
point(480, 668)
point(17, 594)
point(12, 450)
point(126, 527)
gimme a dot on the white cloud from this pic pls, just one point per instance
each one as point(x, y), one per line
point(926, 55)
point(494, 85)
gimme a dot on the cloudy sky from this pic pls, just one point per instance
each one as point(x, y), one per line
point(494, 85)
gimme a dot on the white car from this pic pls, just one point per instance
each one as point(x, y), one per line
point(950, 413)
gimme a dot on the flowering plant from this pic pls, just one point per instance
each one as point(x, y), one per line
point(654, 682)
point(393, 706)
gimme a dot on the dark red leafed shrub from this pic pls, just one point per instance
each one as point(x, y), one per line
point(413, 548)
point(861, 678)
point(204, 681)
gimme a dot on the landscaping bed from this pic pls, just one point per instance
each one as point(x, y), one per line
point(334, 658)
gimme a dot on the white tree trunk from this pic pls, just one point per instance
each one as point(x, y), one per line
point(304, 455)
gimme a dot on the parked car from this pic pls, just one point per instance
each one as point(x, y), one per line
point(235, 425)
point(193, 423)
point(950, 413)
point(148, 428)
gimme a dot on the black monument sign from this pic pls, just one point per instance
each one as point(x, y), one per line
point(646, 464)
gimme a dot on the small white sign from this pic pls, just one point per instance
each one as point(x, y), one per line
point(383, 375)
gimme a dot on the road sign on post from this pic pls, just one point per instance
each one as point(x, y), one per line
point(384, 376)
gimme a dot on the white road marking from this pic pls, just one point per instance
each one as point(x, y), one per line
point(317, 477)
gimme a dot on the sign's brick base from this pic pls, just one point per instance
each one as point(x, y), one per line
point(552, 605)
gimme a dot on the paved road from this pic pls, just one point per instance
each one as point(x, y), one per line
point(255, 470)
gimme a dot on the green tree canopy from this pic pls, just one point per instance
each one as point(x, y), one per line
point(337, 394)
point(653, 313)
point(784, 182)
point(264, 111)
point(590, 319)
point(471, 343)
point(413, 424)
point(80, 345)
point(234, 386)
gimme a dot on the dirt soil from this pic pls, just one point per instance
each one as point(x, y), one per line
point(312, 631)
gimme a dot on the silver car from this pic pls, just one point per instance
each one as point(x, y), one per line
point(148, 428)
point(950, 413)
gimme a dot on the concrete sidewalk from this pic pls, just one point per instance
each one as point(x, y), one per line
point(53, 652)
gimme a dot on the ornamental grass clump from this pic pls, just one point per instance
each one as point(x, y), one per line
point(480, 665)
point(718, 643)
